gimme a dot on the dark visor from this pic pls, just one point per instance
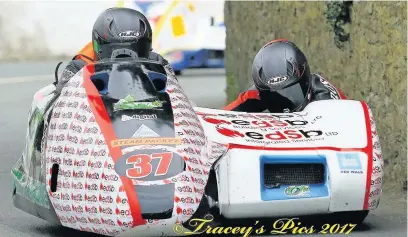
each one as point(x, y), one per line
point(291, 97)
point(295, 93)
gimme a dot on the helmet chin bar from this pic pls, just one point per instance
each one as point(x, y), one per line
point(304, 102)
point(302, 105)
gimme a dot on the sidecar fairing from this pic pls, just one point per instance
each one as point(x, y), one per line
point(119, 152)
point(325, 159)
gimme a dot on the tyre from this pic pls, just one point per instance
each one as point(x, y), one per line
point(353, 217)
point(177, 72)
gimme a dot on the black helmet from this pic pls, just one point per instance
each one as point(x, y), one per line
point(121, 28)
point(281, 73)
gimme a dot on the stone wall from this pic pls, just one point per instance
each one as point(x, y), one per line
point(360, 46)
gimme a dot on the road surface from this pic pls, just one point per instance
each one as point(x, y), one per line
point(18, 82)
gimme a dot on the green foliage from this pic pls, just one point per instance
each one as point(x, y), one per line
point(338, 16)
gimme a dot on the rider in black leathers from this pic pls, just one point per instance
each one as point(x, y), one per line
point(283, 82)
point(115, 28)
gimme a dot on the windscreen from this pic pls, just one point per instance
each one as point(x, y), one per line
point(132, 81)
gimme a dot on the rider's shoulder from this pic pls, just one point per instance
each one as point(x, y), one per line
point(78, 63)
point(319, 77)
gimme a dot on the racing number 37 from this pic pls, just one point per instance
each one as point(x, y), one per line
point(142, 166)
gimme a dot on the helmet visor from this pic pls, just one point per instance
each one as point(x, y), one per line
point(290, 98)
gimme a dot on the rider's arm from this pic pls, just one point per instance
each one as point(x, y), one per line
point(325, 90)
point(70, 70)
point(85, 55)
point(247, 101)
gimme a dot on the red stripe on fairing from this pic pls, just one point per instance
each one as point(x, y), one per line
point(103, 120)
point(368, 150)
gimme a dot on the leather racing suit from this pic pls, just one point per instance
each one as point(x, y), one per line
point(250, 101)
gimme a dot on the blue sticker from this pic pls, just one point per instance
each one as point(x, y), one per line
point(349, 162)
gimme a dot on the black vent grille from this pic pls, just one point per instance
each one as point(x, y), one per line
point(293, 174)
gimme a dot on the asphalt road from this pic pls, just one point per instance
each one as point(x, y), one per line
point(18, 82)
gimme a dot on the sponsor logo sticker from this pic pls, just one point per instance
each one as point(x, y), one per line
point(349, 163)
point(129, 34)
point(129, 103)
point(276, 80)
point(297, 191)
point(144, 131)
point(273, 135)
point(138, 117)
point(147, 141)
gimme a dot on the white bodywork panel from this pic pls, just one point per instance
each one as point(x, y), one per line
point(240, 188)
point(339, 127)
point(346, 118)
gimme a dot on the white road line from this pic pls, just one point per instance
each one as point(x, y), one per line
point(12, 80)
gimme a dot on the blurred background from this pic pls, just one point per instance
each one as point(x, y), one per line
point(188, 34)
point(361, 47)
point(36, 35)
